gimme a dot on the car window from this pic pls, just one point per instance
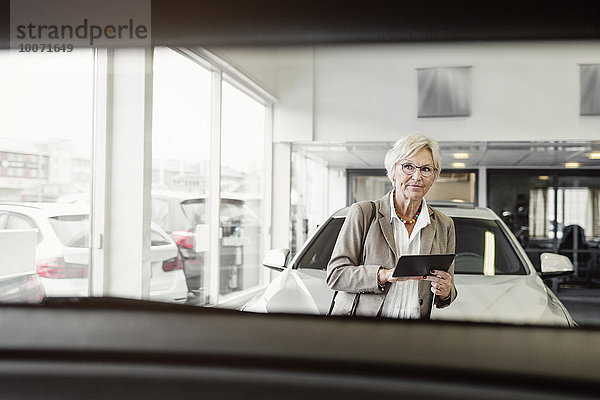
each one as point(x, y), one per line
point(157, 239)
point(72, 230)
point(3, 220)
point(482, 248)
point(170, 215)
point(19, 222)
point(194, 210)
point(237, 211)
point(317, 255)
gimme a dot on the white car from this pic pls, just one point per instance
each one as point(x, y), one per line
point(62, 252)
point(495, 280)
point(178, 213)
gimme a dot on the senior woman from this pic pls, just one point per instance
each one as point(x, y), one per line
point(402, 224)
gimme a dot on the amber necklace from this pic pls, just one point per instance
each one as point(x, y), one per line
point(413, 219)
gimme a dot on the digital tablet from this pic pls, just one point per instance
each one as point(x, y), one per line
point(420, 265)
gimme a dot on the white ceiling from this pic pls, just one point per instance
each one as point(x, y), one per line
point(481, 154)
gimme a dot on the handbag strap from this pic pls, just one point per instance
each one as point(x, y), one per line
point(362, 257)
point(364, 239)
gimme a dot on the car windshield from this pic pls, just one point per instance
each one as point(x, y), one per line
point(482, 248)
point(72, 230)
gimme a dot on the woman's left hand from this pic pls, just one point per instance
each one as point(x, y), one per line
point(441, 283)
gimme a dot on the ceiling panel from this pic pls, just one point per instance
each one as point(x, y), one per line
point(503, 157)
point(480, 154)
point(544, 158)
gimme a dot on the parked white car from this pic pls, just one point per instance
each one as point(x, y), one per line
point(495, 280)
point(62, 252)
point(179, 213)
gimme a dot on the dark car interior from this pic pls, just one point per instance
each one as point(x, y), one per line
point(103, 348)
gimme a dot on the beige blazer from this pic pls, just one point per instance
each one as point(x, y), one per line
point(349, 275)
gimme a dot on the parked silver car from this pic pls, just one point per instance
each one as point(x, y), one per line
point(495, 280)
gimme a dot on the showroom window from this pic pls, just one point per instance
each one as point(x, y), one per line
point(181, 127)
point(46, 128)
point(45, 124)
point(199, 104)
point(242, 188)
point(313, 195)
point(197, 109)
point(551, 211)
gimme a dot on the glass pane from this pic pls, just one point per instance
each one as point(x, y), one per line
point(522, 200)
point(308, 208)
point(46, 121)
point(578, 203)
point(369, 187)
point(180, 161)
point(19, 222)
point(483, 249)
point(456, 186)
point(318, 254)
point(579, 220)
point(242, 181)
point(45, 125)
point(526, 201)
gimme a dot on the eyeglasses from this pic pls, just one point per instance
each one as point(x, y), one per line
point(426, 170)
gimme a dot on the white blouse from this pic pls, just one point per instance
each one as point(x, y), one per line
point(402, 300)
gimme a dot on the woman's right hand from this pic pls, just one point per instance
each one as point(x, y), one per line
point(386, 275)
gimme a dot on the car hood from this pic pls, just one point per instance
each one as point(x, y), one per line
point(521, 299)
point(513, 299)
point(294, 291)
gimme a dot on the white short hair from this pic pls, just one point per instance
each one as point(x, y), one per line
point(409, 145)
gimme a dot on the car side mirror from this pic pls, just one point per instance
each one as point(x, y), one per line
point(554, 265)
point(276, 259)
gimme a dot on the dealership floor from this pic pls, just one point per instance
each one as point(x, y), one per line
point(583, 304)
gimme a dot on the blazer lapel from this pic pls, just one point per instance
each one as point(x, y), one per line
point(384, 222)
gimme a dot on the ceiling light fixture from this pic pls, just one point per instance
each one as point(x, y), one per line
point(594, 155)
point(543, 177)
point(572, 165)
point(458, 165)
point(461, 156)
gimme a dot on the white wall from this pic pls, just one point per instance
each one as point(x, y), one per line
point(520, 91)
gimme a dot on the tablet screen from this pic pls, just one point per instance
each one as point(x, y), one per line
point(420, 265)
